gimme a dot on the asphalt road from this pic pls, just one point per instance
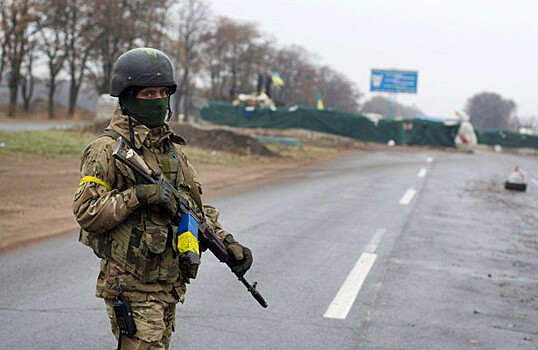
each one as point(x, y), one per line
point(392, 249)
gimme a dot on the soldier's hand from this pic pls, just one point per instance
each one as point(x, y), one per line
point(240, 256)
point(160, 194)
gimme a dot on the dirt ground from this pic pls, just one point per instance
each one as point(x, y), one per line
point(36, 194)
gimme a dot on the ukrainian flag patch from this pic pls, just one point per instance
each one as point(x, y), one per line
point(187, 242)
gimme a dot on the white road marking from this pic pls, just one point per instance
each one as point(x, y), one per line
point(344, 299)
point(422, 172)
point(535, 181)
point(408, 195)
point(429, 159)
point(374, 242)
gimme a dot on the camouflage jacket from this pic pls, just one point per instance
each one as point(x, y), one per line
point(137, 243)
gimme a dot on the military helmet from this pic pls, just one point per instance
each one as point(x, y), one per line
point(142, 67)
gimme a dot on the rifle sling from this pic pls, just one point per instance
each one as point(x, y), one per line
point(187, 175)
point(195, 191)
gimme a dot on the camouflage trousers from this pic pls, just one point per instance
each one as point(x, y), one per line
point(154, 320)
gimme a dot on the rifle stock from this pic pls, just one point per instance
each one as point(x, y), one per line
point(206, 235)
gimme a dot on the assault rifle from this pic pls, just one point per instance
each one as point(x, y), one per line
point(206, 235)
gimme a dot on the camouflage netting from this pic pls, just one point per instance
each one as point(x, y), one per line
point(408, 132)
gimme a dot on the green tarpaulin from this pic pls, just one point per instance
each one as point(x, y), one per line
point(408, 132)
point(506, 138)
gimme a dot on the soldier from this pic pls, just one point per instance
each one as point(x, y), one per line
point(128, 223)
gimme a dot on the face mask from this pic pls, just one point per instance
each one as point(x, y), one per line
point(151, 113)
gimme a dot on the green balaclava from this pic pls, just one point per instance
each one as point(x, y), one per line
point(151, 113)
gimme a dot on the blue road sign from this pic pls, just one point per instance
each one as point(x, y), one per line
point(393, 81)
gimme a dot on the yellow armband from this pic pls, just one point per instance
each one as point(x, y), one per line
point(96, 180)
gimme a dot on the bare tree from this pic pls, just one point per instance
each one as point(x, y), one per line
point(18, 17)
point(123, 25)
point(233, 52)
point(191, 23)
point(214, 63)
point(300, 75)
point(6, 33)
point(254, 60)
point(81, 39)
point(242, 43)
point(28, 78)
point(52, 26)
point(490, 110)
point(151, 21)
point(116, 32)
point(338, 91)
point(237, 58)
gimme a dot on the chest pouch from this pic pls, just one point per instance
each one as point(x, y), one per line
point(156, 238)
point(171, 171)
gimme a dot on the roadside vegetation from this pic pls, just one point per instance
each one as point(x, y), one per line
point(65, 144)
point(46, 144)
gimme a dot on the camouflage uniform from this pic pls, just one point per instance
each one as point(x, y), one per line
point(137, 243)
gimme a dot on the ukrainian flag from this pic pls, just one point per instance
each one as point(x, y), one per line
point(320, 102)
point(277, 79)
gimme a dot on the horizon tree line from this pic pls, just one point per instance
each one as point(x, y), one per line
point(79, 40)
point(214, 57)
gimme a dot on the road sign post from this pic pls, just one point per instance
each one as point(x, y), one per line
point(393, 82)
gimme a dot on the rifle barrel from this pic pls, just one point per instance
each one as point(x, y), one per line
point(252, 289)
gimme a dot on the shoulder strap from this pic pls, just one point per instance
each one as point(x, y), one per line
point(182, 162)
point(188, 176)
point(114, 134)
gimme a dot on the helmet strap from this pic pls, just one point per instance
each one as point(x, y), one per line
point(169, 111)
point(131, 130)
point(123, 111)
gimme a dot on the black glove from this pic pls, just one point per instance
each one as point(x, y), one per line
point(160, 194)
point(240, 256)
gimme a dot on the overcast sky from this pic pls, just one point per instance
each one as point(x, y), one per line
point(459, 48)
